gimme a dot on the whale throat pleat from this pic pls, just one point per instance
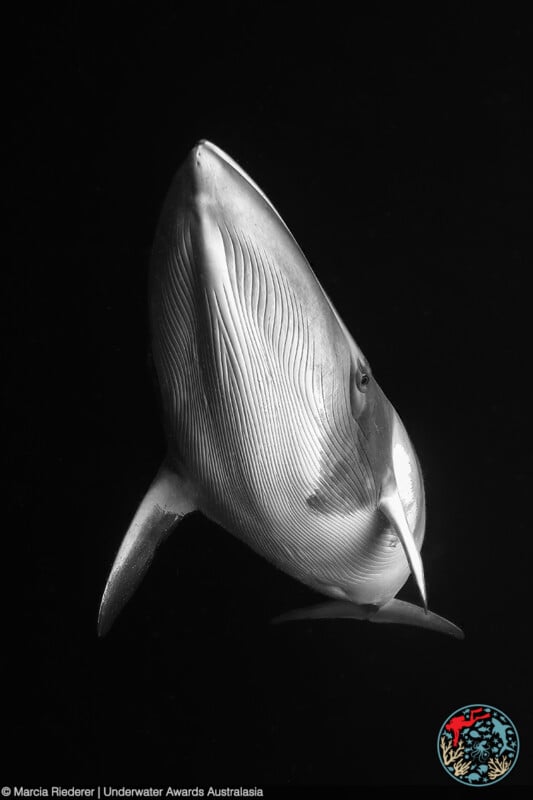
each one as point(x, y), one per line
point(250, 405)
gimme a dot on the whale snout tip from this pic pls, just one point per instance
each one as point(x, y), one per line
point(206, 156)
point(211, 166)
point(205, 172)
point(202, 148)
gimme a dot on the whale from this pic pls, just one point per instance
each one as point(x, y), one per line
point(276, 428)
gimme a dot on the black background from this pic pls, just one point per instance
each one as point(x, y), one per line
point(398, 150)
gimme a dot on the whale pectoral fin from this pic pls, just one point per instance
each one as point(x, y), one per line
point(395, 611)
point(164, 505)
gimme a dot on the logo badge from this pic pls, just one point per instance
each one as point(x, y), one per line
point(478, 745)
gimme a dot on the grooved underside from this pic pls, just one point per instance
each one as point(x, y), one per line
point(256, 396)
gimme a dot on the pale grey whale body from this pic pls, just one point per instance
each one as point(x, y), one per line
point(275, 427)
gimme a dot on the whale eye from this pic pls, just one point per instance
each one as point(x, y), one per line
point(362, 378)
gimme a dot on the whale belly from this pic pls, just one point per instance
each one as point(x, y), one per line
point(256, 400)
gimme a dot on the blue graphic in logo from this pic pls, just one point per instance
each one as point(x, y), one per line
point(478, 745)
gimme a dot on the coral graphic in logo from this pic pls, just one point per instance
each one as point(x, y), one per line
point(478, 745)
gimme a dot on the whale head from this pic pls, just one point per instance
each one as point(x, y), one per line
point(276, 426)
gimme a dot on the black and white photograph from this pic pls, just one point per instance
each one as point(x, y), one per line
point(266, 400)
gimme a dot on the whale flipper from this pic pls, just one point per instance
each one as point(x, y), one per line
point(396, 611)
point(166, 502)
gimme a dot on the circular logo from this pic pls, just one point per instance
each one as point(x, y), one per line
point(478, 745)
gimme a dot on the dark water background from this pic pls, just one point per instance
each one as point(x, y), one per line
point(399, 152)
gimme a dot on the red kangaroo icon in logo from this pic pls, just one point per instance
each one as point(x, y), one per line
point(456, 724)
